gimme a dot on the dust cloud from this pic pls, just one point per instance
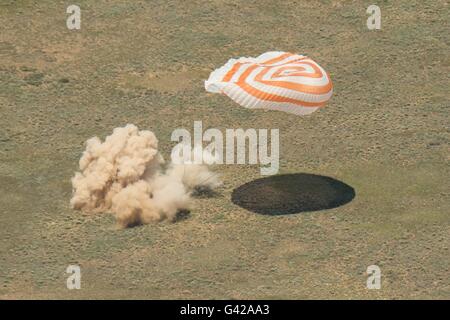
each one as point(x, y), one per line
point(127, 176)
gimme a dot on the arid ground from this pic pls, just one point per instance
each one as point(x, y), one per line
point(385, 133)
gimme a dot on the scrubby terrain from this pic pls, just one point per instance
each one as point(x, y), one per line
point(385, 133)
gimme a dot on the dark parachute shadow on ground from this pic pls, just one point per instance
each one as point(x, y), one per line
point(292, 193)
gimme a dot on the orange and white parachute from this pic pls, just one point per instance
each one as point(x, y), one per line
point(275, 80)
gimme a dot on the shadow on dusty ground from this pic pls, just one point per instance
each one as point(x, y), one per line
point(292, 193)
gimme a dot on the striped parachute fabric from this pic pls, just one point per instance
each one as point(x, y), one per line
point(275, 80)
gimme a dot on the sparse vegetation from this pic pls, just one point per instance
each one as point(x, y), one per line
point(385, 133)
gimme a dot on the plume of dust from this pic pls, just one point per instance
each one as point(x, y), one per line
point(127, 176)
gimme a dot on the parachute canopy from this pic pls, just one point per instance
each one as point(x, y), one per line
point(275, 80)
